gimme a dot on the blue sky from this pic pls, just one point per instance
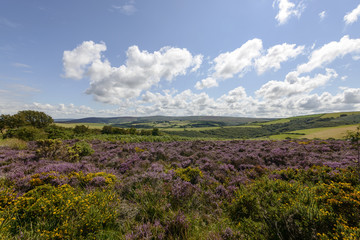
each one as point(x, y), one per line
point(260, 58)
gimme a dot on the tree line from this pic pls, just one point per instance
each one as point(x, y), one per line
point(31, 125)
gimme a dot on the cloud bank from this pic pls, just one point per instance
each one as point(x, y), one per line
point(142, 70)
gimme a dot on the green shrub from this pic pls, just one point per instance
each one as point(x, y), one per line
point(56, 132)
point(57, 150)
point(14, 143)
point(189, 174)
point(50, 148)
point(28, 133)
point(63, 213)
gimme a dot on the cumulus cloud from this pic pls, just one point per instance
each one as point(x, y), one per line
point(206, 83)
point(276, 55)
point(234, 103)
point(351, 95)
point(294, 84)
point(250, 55)
point(230, 63)
point(287, 9)
point(76, 61)
point(352, 16)
point(142, 70)
point(329, 52)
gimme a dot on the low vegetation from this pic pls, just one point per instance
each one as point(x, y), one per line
point(76, 189)
point(127, 183)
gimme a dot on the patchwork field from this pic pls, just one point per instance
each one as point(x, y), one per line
point(320, 133)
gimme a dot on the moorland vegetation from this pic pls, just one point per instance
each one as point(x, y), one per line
point(83, 183)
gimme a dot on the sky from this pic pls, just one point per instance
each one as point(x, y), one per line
point(248, 58)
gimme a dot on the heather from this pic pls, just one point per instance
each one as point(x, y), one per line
point(241, 189)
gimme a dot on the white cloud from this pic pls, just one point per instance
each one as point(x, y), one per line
point(322, 15)
point(351, 95)
point(142, 70)
point(276, 55)
point(128, 8)
point(234, 103)
point(21, 65)
point(198, 59)
point(235, 95)
point(245, 58)
point(230, 63)
point(329, 52)
point(294, 85)
point(352, 16)
point(287, 9)
point(76, 61)
point(355, 58)
point(206, 83)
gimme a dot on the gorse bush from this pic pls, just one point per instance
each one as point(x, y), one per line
point(189, 174)
point(63, 213)
point(56, 149)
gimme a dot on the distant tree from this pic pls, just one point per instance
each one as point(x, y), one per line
point(107, 130)
point(117, 130)
point(26, 133)
point(3, 122)
point(32, 118)
point(132, 131)
point(81, 129)
point(155, 132)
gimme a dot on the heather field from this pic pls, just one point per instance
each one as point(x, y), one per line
point(52, 189)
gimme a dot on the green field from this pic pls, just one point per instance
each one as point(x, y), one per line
point(89, 125)
point(321, 133)
point(337, 115)
point(283, 120)
point(198, 129)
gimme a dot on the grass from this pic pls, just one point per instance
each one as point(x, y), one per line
point(89, 125)
point(206, 128)
point(284, 120)
point(337, 115)
point(139, 138)
point(321, 133)
point(13, 143)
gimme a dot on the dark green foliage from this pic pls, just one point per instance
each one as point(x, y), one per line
point(33, 118)
point(155, 132)
point(81, 129)
point(56, 132)
point(27, 133)
point(57, 150)
point(107, 130)
point(354, 137)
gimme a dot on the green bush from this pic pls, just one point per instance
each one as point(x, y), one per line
point(28, 133)
point(189, 174)
point(63, 213)
point(57, 150)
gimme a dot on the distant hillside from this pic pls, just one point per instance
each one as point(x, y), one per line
point(227, 121)
point(236, 127)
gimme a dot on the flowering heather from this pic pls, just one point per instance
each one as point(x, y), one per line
point(180, 190)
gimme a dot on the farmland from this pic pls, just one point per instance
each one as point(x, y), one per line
point(308, 126)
